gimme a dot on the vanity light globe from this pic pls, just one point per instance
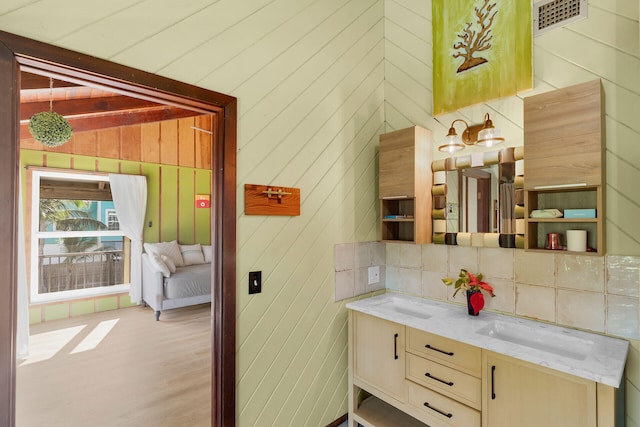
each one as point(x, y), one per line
point(488, 137)
point(451, 144)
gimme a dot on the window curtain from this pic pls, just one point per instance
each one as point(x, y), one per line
point(507, 207)
point(129, 194)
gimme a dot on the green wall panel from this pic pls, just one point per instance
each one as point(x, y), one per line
point(168, 203)
point(152, 172)
point(203, 216)
point(186, 213)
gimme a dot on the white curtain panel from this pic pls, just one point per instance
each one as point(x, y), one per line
point(129, 194)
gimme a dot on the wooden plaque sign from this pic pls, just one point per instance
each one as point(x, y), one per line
point(271, 200)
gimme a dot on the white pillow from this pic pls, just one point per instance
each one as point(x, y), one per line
point(207, 252)
point(170, 249)
point(169, 262)
point(192, 254)
point(159, 265)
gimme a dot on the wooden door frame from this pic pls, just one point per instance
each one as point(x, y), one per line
point(18, 53)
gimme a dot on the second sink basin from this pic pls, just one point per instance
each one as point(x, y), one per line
point(559, 343)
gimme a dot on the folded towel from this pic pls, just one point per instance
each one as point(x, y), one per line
point(546, 213)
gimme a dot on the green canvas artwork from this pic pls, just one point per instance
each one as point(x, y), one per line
point(482, 50)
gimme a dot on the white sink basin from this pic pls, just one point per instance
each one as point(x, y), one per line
point(401, 306)
point(561, 343)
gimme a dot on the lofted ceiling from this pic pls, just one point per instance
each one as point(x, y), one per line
point(87, 108)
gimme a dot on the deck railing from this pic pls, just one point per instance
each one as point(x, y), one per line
point(80, 270)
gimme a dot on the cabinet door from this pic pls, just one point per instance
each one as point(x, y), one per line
point(563, 137)
point(527, 395)
point(379, 357)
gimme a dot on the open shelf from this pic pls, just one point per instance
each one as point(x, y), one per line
point(375, 412)
point(587, 197)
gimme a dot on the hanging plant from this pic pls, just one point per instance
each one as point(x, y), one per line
point(49, 127)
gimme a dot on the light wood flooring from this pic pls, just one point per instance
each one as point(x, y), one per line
point(140, 373)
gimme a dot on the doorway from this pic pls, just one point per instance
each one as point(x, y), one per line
point(20, 54)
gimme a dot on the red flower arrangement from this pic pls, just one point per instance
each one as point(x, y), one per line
point(473, 285)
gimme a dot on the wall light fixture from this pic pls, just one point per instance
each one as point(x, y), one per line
point(484, 135)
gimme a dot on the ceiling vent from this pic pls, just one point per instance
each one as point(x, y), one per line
point(550, 14)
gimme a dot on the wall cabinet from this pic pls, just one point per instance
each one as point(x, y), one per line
point(404, 185)
point(564, 147)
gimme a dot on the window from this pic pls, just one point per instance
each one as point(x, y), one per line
point(77, 249)
point(111, 219)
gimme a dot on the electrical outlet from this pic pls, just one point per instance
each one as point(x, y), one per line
point(374, 274)
point(255, 282)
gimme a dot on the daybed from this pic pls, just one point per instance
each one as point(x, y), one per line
point(175, 275)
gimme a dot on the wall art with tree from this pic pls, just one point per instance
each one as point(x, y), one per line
point(482, 50)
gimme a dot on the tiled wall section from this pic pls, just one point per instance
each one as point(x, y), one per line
point(352, 262)
point(599, 294)
point(62, 310)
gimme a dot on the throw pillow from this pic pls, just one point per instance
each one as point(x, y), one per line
point(192, 254)
point(207, 252)
point(159, 265)
point(170, 249)
point(169, 262)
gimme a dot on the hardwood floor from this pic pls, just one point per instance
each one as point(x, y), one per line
point(140, 373)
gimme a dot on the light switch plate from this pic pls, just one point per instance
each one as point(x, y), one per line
point(374, 274)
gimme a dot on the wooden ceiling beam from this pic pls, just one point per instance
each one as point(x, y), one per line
point(111, 119)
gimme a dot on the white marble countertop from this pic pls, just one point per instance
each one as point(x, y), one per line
point(594, 357)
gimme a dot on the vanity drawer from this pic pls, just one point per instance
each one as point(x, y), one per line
point(455, 384)
point(454, 354)
point(438, 410)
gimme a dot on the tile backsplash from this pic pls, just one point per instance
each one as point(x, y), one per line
point(599, 294)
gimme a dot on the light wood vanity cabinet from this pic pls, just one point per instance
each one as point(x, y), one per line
point(404, 185)
point(536, 396)
point(380, 362)
point(444, 380)
point(403, 377)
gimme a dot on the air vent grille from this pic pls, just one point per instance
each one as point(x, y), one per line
point(552, 14)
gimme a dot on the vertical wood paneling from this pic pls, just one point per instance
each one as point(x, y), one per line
point(203, 142)
point(85, 143)
point(131, 143)
point(169, 142)
point(151, 142)
point(108, 143)
point(186, 138)
point(203, 216)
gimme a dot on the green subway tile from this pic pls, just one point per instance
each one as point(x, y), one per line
point(108, 303)
point(56, 311)
point(82, 307)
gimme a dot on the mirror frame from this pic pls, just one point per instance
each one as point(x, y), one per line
point(439, 168)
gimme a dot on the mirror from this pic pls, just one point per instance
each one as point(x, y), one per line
point(481, 199)
point(476, 196)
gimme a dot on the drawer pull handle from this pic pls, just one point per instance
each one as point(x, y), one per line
point(449, 383)
point(493, 371)
point(395, 346)
point(448, 353)
point(448, 415)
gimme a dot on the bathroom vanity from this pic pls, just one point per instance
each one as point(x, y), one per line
point(418, 362)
